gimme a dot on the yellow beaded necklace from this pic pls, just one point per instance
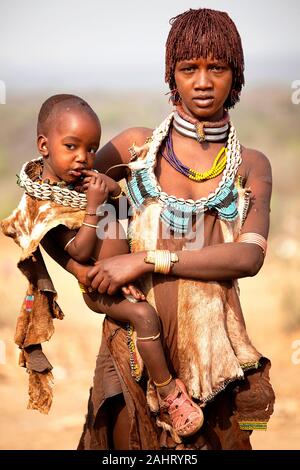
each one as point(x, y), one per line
point(216, 169)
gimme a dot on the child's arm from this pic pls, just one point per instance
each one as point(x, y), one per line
point(82, 245)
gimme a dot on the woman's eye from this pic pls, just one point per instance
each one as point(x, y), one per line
point(217, 68)
point(188, 69)
point(70, 146)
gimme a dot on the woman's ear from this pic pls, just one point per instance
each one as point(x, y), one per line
point(42, 144)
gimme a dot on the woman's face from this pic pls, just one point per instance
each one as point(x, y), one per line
point(203, 85)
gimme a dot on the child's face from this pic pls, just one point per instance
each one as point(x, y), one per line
point(70, 146)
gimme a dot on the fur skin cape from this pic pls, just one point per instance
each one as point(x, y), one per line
point(27, 225)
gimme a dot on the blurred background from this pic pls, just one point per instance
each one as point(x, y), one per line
point(112, 54)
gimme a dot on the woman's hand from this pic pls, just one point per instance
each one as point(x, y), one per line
point(111, 274)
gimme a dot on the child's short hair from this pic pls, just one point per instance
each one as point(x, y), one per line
point(48, 107)
point(199, 33)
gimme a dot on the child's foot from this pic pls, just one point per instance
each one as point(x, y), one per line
point(186, 417)
point(166, 389)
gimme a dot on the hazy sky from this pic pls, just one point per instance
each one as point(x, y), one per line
point(120, 43)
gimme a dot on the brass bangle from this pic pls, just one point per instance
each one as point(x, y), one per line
point(256, 238)
point(89, 225)
point(92, 214)
point(118, 196)
point(83, 288)
point(163, 384)
point(163, 260)
point(148, 338)
point(68, 243)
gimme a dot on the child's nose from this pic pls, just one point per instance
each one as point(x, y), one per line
point(81, 156)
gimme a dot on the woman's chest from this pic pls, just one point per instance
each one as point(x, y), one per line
point(173, 182)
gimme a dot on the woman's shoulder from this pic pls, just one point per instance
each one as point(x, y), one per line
point(116, 151)
point(133, 135)
point(255, 162)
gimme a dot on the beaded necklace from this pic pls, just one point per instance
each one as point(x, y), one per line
point(177, 212)
point(216, 169)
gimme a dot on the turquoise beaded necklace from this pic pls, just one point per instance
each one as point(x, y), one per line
point(177, 212)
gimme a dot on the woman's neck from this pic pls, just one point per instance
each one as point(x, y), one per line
point(213, 131)
point(213, 118)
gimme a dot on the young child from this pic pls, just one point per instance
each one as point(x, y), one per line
point(68, 138)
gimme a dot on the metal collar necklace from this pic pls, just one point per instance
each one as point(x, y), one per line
point(200, 130)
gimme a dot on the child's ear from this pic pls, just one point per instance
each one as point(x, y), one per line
point(42, 144)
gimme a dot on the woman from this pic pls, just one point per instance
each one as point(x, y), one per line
point(207, 199)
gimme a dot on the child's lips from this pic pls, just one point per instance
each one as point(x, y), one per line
point(75, 173)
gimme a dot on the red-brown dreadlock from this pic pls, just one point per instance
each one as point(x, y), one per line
point(204, 32)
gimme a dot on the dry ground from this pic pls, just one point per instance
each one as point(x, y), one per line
point(73, 350)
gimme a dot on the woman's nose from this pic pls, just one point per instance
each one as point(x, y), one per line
point(202, 80)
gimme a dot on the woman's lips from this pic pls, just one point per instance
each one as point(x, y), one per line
point(203, 102)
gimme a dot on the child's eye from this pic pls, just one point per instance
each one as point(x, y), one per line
point(93, 151)
point(70, 146)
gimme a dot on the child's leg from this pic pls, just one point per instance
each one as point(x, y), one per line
point(145, 321)
point(141, 315)
point(186, 417)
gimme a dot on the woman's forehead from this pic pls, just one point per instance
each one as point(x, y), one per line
point(209, 58)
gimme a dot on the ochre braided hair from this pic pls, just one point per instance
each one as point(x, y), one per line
point(204, 32)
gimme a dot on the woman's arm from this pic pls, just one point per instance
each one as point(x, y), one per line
point(212, 263)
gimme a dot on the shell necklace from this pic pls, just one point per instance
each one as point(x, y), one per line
point(177, 212)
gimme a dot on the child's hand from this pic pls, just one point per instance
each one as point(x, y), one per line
point(130, 289)
point(112, 185)
point(97, 192)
